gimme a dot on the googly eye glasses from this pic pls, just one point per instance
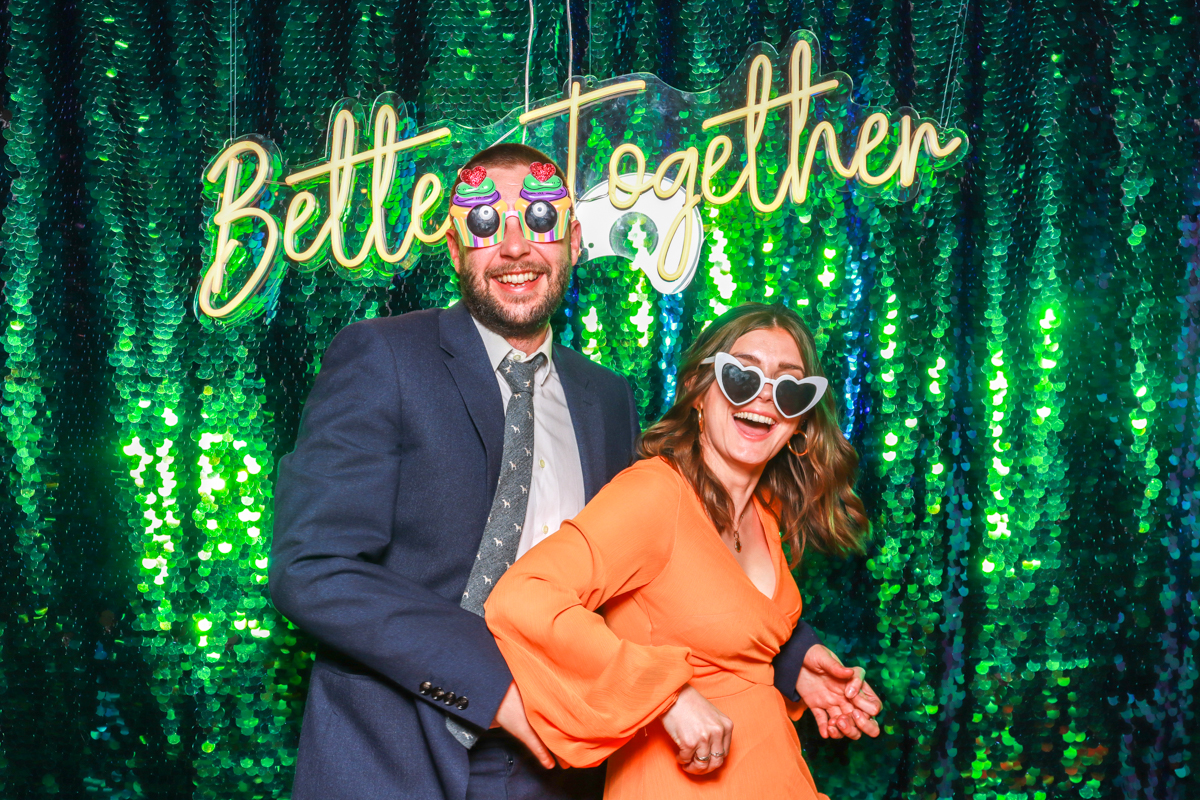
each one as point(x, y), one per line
point(483, 225)
point(741, 384)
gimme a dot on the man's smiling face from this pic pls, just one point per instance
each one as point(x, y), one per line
point(514, 287)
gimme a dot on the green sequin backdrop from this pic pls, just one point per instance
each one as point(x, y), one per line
point(1015, 351)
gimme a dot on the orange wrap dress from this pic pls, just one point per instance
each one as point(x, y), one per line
point(676, 609)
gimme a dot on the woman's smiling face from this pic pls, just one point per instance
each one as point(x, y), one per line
point(748, 436)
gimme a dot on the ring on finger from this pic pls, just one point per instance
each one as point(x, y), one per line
point(702, 758)
point(715, 754)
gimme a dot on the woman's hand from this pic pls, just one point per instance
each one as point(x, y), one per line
point(700, 731)
point(840, 700)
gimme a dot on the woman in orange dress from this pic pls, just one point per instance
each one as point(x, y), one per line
point(643, 631)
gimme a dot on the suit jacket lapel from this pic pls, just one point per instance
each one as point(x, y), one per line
point(467, 361)
point(586, 419)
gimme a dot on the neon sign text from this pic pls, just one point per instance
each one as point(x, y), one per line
point(884, 151)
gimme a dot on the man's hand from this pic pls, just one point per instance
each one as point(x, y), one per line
point(511, 717)
point(840, 700)
point(700, 731)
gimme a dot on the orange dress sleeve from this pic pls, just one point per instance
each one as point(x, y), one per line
point(586, 691)
point(795, 709)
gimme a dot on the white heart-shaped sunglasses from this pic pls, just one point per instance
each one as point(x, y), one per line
point(740, 384)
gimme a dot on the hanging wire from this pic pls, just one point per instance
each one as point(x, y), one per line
point(232, 71)
point(570, 47)
point(952, 67)
point(528, 56)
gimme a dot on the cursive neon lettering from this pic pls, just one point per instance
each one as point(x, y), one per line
point(880, 138)
point(231, 208)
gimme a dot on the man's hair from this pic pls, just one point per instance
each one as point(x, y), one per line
point(513, 154)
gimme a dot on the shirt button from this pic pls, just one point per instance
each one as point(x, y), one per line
point(545, 529)
point(542, 463)
point(518, 357)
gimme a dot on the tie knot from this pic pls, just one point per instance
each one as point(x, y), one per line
point(519, 374)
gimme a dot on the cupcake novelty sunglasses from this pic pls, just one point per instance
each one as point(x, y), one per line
point(740, 384)
point(483, 225)
point(479, 214)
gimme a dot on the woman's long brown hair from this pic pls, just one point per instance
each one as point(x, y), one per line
point(811, 497)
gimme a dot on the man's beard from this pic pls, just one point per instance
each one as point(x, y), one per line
point(513, 321)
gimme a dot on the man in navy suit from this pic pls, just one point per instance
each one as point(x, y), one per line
point(381, 508)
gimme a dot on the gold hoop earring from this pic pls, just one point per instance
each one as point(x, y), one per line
point(700, 416)
point(792, 447)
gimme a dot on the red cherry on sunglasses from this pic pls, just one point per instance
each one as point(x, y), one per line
point(473, 176)
point(543, 172)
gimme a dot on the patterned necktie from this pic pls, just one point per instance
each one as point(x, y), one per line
point(502, 533)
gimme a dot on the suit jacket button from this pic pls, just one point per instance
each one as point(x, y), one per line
point(461, 705)
point(425, 687)
point(449, 698)
point(438, 694)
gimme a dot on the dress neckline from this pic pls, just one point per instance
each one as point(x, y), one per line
point(770, 533)
point(773, 547)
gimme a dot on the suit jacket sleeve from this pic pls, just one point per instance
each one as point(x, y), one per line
point(791, 658)
point(334, 511)
point(635, 424)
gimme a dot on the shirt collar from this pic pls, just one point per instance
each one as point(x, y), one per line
point(498, 349)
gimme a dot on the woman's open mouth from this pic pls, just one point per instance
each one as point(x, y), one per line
point(752, 425)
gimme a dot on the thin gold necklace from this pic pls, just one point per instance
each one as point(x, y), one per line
point(737, 537)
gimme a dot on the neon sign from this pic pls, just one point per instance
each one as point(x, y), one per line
point(809, 130)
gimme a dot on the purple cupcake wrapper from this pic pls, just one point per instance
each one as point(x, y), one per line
point(471, 202)
point(549, 197)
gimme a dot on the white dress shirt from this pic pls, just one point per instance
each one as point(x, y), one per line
point(556, 493)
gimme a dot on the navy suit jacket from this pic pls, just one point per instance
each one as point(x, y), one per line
point(378, 516)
